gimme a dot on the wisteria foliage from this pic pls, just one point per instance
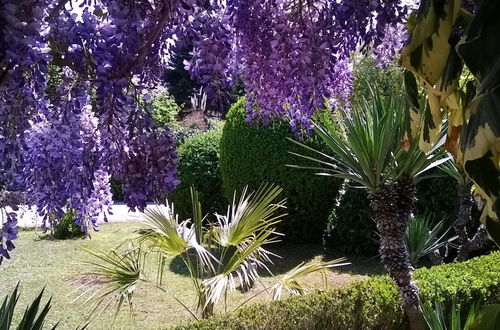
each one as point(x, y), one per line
point(61, 139)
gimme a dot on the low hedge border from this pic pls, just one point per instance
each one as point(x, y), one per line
point(368, 304)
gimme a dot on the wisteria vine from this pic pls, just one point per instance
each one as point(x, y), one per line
point(75, 79)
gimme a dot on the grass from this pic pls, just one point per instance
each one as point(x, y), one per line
point(39, 262)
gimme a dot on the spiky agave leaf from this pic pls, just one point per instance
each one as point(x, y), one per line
point(290, 283)
point(32, 319)
point(422, 240)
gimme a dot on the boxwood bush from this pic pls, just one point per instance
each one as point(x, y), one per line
point(369, 304)
point(198, 165)
point(351, 228)
point(252, 154)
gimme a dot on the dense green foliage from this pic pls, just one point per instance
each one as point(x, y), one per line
point(368, 304)
point(199, 166)
point(252, 154)
point(66, 227)
point(352, 229)
point(387, 81)
point(165, 110)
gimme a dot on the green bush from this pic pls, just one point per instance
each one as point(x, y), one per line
point(351, 228)
point(165, 110)
point(252, 154)
point(368, 304)
point(198, 165)
point(66, 227)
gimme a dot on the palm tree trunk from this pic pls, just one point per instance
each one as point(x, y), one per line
point(393, 206)
point(460, 226)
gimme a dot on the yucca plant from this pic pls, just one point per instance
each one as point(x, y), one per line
point(375, 151)
point(438, 318)
point(463, 217)
point(422, 240)
point(220, 255)
point(33, 317)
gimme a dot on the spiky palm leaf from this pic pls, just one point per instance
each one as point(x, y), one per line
point(248, 225)
point(167, 235)
point(254, 213)
point(422, 240)
point(374, 149)
point(437, 318)
point(32, 319)
point(450, 168)
point(113, 276)
point(290, 283)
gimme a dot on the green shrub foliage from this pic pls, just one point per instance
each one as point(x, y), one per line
point(351, 228)
point(165, 110)
point(66, 227)
point(198, 165)
point(252, 154)
point(368, 304)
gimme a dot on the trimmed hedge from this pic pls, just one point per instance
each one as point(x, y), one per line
point(252, 154)
point(198, 165)
point(368, 304)
point(351, 228)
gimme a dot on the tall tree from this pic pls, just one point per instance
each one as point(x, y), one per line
point(375, 152)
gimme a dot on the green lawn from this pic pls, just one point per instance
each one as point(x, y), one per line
point(39, 262)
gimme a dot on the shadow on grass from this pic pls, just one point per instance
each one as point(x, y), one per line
point(294, 254)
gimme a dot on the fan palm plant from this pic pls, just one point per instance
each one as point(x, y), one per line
point(375, 151)
point(219, 256)
point(463, 217)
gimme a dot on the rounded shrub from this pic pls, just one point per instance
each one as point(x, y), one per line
point(198, 165)
point(66, 227)
point(253, 154)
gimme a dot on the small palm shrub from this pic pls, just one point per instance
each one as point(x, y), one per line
point(198, 166)
point(437, 318)
point(220, 255)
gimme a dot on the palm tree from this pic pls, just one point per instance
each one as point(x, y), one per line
point(465, 204)
point(372, 148)
point(219, 255)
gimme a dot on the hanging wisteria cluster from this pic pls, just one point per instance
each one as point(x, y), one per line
point(293, 55)
point(75, 79)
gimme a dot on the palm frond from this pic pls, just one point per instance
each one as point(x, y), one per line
point(290, 282)
point(33, 318)
point(167, 235)
point(365, 153)
point(451, 169)
point(253, 213)
point(114, 276)
point(422, 240)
